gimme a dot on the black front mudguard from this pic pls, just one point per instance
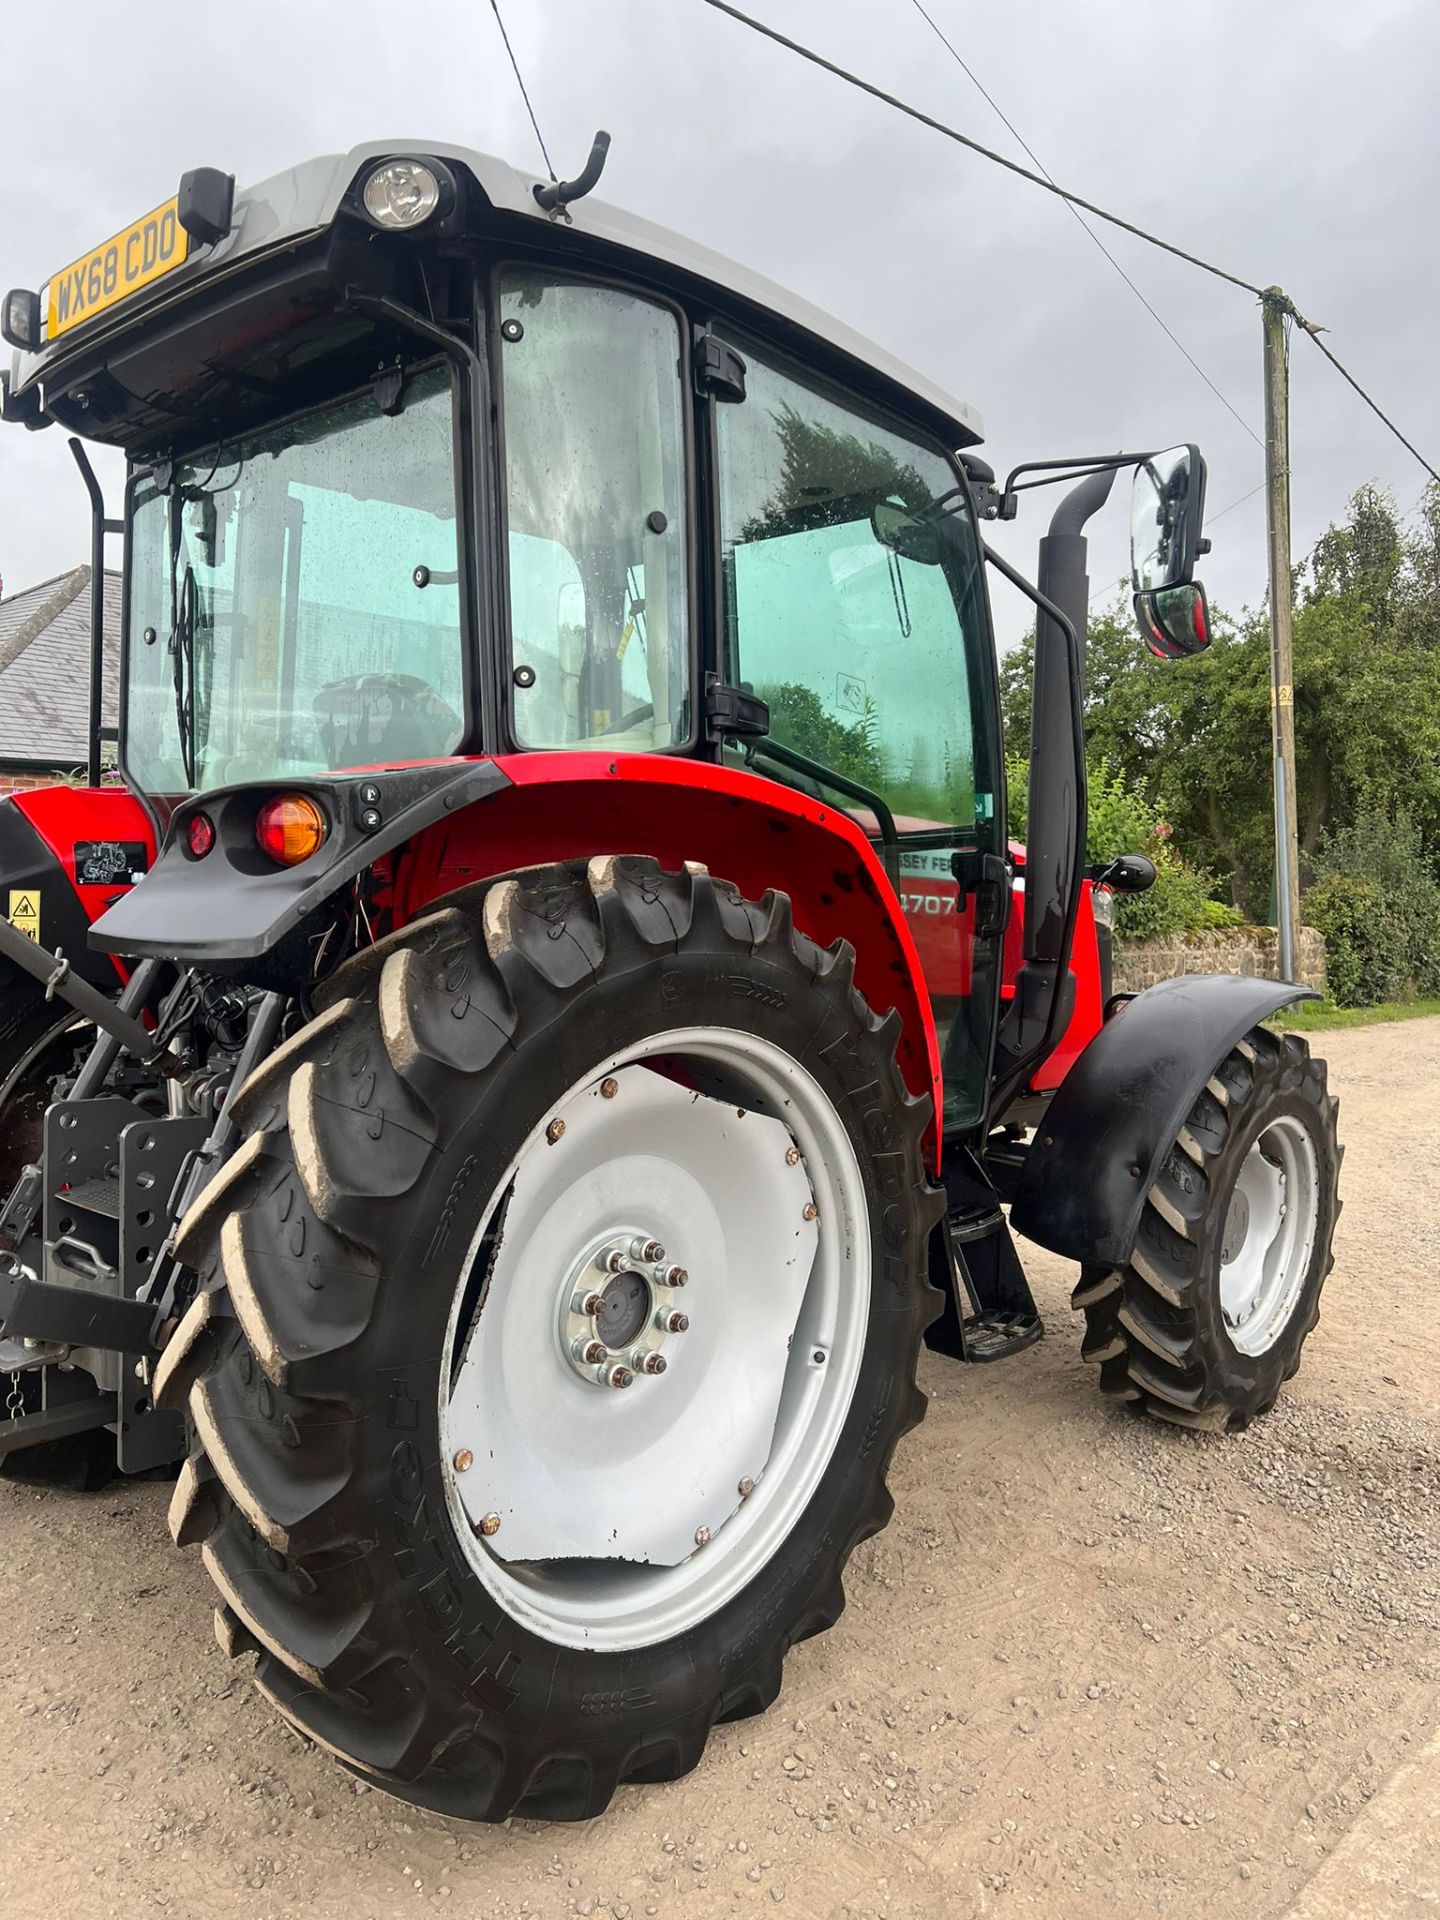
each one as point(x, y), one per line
point(1118, 1110)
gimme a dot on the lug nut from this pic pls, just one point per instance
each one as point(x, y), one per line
point(617, 1376)
point(555, 1131)
point(589, 1352)
point(464, 1460)
point(792, 1157)
point(615, 1261)
point(649, 1250)
point(702, 1536)
point(746, 1488)
point(671, 1276)
point(653, 1363)
point(588, 1303)
point(674, 1322)
point(488, 1525)
point(609, 1089)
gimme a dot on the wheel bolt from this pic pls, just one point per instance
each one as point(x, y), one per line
point(618, 1376)
point(702, 1536)
point(589, 1352)
point(810, 1211)
point(588, 1303)
point(792, 1157)
point(646, 1250)
point(746, 1488)
point(673, 1322)
point(609, 1089)
point(671, 1276)
point(488, 1525)
point(555, 1131)
point(652, 1363)
point(615, 1261)
point(464, 1460)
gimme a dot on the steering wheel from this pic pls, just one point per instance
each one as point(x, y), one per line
point(628, 720)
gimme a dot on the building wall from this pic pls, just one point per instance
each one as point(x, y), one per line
point(19, 782)
point(1249, 950)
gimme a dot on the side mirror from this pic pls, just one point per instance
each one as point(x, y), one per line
point(1175, 621)
point(914, 538)
point(1129, 873)
point(1167, 509)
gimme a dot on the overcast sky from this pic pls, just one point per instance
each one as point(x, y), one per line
point(1294, 141)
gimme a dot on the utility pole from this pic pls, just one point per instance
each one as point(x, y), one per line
point(1277, 308)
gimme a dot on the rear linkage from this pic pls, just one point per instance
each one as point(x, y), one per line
point(82, 1272)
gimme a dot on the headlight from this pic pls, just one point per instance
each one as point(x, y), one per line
point(401, 193)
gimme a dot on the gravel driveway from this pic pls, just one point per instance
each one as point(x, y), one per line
point(1095, 1666)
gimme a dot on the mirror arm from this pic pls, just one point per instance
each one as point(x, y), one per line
point(1052, 472)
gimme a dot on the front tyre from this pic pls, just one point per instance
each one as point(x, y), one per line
point(1206, 1321)
point(559, 1317)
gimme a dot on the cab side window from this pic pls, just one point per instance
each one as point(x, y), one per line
point(857, 644)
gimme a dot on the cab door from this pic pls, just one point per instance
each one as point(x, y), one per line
point(854, 606)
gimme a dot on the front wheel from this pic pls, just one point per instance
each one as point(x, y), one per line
point(560, 1316)
point(1205, 1322)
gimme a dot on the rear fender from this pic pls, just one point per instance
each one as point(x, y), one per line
point(66, 855)
point(565, 806)
point(1119, 1109)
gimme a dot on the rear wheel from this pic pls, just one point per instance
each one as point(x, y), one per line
point(1207, 1319)
point(560, 1316)
point(41, 1041)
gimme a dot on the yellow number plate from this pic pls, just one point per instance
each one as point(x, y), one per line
point(117, 268)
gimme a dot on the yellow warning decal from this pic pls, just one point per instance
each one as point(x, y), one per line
point(24, 913)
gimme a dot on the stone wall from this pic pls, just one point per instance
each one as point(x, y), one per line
point(1249, 950)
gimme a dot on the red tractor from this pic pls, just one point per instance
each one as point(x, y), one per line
point(501, 1093)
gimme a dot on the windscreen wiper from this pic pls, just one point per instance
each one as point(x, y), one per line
point(182, 660)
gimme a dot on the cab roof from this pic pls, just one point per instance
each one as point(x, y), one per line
point(277, 214)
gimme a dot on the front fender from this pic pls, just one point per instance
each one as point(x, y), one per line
point(1119, 1109)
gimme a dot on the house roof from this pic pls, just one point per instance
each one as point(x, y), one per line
point(45, 670)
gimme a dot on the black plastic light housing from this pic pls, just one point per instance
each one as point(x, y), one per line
point(206, 204)
point(20, 319)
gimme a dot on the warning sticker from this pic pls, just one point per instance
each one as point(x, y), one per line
point(24, 912)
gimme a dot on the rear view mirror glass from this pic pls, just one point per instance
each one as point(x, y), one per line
point(1174, 622)
point(906, 533)
point(1166, 511)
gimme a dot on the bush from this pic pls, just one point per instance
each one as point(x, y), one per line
point(1217, 915)
point(1377, 903)
point(1121, 820)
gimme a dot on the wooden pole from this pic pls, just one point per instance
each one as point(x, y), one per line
point(1277, 309)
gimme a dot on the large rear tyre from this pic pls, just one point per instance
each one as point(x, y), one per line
point(509, 1517)
point(1206, 1321)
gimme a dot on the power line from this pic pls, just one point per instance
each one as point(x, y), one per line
point(1159, 320)
point(986, 153)
point(1072, 199)
point(1345, 374)
point(520, 82)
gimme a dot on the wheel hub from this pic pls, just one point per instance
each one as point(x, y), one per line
point(618, 1310)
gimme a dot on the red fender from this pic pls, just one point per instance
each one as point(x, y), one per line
point(565, 806)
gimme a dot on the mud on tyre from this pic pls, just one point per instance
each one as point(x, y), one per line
point(350, 1253)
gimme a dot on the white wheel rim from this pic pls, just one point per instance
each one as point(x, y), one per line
point(611, 1519)
point(1269, 1235)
